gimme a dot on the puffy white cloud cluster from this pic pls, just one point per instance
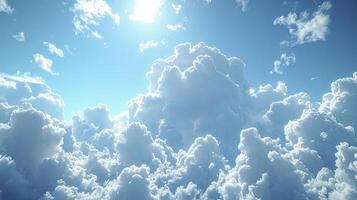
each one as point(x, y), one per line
point(307, 27)
point(200, 132)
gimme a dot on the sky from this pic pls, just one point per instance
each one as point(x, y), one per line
point(178, 100)
point(112, 69)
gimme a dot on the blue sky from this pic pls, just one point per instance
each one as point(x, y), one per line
point(112, 69)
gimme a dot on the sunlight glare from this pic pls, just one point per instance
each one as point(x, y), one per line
point(146, 10)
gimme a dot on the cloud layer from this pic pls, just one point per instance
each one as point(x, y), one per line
point(199, 132)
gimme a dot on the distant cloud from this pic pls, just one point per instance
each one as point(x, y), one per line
point(43, 63)
point(148, 45)
point(88, 13)
point(5, 7)
point(306, 27)
point(175, 27)
point(284, 61)
point(53, 49)
point(177, 8)
point(243, 4)
point(20, 37)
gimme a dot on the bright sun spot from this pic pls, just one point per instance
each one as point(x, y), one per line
point(146, 10)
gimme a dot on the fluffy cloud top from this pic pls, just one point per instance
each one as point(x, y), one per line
point(200, 132)
point(307, 27)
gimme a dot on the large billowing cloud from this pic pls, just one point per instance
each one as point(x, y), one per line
point(200, 132)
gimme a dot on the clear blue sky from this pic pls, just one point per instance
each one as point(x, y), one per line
point(112, 70)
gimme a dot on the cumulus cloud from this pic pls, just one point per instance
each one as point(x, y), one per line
point(200, 132)
point(53, 49)
point(283, 62)
point(88, 13)
point(307, 27)
point(5, 7)
point(148, 45)
point(44, 63)
point(20, 37)
point(175, 27)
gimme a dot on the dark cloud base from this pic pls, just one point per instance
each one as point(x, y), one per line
point(200, 132)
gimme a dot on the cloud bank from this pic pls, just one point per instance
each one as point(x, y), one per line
point(199, 132)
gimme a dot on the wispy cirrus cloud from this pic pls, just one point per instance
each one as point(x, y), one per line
point(20, 37)
point(88, 13)
point(53, 49)
point(175, 27)
point(177, 8)
point(148, 45)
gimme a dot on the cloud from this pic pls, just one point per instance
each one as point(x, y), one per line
point(53, 49)
point(20, 37)
point(88, 13)
point(201, 131)
point(44, 63)
point(177, 8)
point(307, 27)
point(175, 27)
point(5, 7)
point(283, 62)
point(243, 4)
point(148, 45)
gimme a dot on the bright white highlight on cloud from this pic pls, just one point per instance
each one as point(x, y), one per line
point(283, 62)
point(43, 62)
point(199, 132)
point(146, 10)
point(307, 27)
point(148, 45)
point(20, 37)
point(88, 13)
point(177, 8)
point(5, 7)
point(175, 27)
point(53, 49)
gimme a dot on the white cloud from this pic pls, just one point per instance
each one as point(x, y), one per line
point(175, 27)
point(5, 7)
point(177, 8)
point(53, 49)
point(283, 62)
point(148, 45)
point(88, 13)
point(243, 4)
point(188, 137)
point(20, 37)
point(43, 62)
point(307, 27)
